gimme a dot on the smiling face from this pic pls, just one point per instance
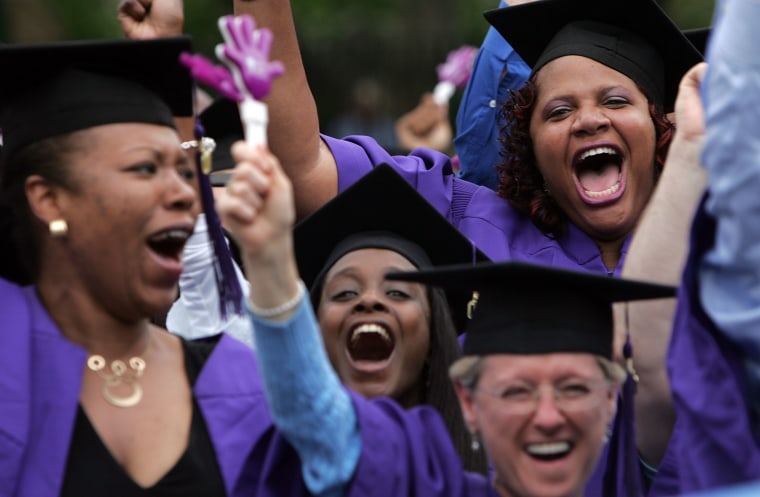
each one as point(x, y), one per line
point(376, 332)
point(129, 216)
point(594, 142)
point(546, 451)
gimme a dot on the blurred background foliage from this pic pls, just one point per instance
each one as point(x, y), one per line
point(397, 43)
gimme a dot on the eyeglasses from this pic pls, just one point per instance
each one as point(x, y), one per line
point(520, 399)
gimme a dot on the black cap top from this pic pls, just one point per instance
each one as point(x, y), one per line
point(698, 37)
point(634, 37)
point(221, 121)
point(382, 210)
point(51, 89)
point(531, 309)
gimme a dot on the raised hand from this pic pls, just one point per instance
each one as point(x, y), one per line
point(257, 205)
point(453, 73)
point(427, 125)
point(458, 65)
point(689, 110)
point(148, 19)
point(246, 53)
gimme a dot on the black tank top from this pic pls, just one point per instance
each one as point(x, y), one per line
point(91, 470)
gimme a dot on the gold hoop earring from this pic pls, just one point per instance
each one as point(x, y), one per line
point(58, 228)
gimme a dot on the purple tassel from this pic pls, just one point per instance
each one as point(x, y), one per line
point(623, 475)
point(227, 284)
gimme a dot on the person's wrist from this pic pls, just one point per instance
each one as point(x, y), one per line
point(277, 252)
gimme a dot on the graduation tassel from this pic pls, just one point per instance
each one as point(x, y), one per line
point(228, 286)
point(623, 476)
point(246, 78)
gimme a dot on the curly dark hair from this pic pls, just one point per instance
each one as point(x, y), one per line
point(520, 181)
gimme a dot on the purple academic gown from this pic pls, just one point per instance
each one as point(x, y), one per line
point(716, 442)
point(488, 220)
point(40, 379)
point(501, 233)
point(409, 453)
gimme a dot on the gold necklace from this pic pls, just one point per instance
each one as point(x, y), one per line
point(121, 374)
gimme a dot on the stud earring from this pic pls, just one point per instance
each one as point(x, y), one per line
point(58, 228)
point(607, 434)
point(475, 445)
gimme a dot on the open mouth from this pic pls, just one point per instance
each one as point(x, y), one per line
point(551, 451)
point(599, 174)
point(169, 243)
point(370, 342)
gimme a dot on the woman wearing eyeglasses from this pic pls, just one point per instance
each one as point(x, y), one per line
point(542, 418)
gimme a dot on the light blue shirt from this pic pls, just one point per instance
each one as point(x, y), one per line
point(307, 403)
point(730, 272)
point(745, 490)
point(496, 70)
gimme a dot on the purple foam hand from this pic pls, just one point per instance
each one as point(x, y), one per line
point(458, 65)
point(246, 53)
point(217, 77)
point(453, 73)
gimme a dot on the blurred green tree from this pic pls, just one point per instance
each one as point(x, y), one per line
point(397, 42)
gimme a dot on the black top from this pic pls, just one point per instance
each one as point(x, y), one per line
point(92, 470)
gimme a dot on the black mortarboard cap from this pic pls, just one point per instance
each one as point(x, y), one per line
point(221, 121)
point(55, 88)
point(382, 210)
point(634, 37)
point(531, 309)
point(698, 37)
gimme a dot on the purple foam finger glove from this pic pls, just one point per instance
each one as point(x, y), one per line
point(454, 73)
point(246, 53)
point(458, 65)
point(216, 77)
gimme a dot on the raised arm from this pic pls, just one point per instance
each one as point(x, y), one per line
point(657, 253)
point(306, 401)
point(293, 131)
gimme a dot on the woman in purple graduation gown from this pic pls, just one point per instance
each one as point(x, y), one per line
point(98, 198)
point(537, 387)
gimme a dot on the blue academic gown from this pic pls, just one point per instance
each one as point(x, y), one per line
point(40, 380)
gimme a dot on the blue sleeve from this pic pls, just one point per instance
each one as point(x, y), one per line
point(751, 489)
point(730, 272)
point(307, 401)
point(496, 70)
